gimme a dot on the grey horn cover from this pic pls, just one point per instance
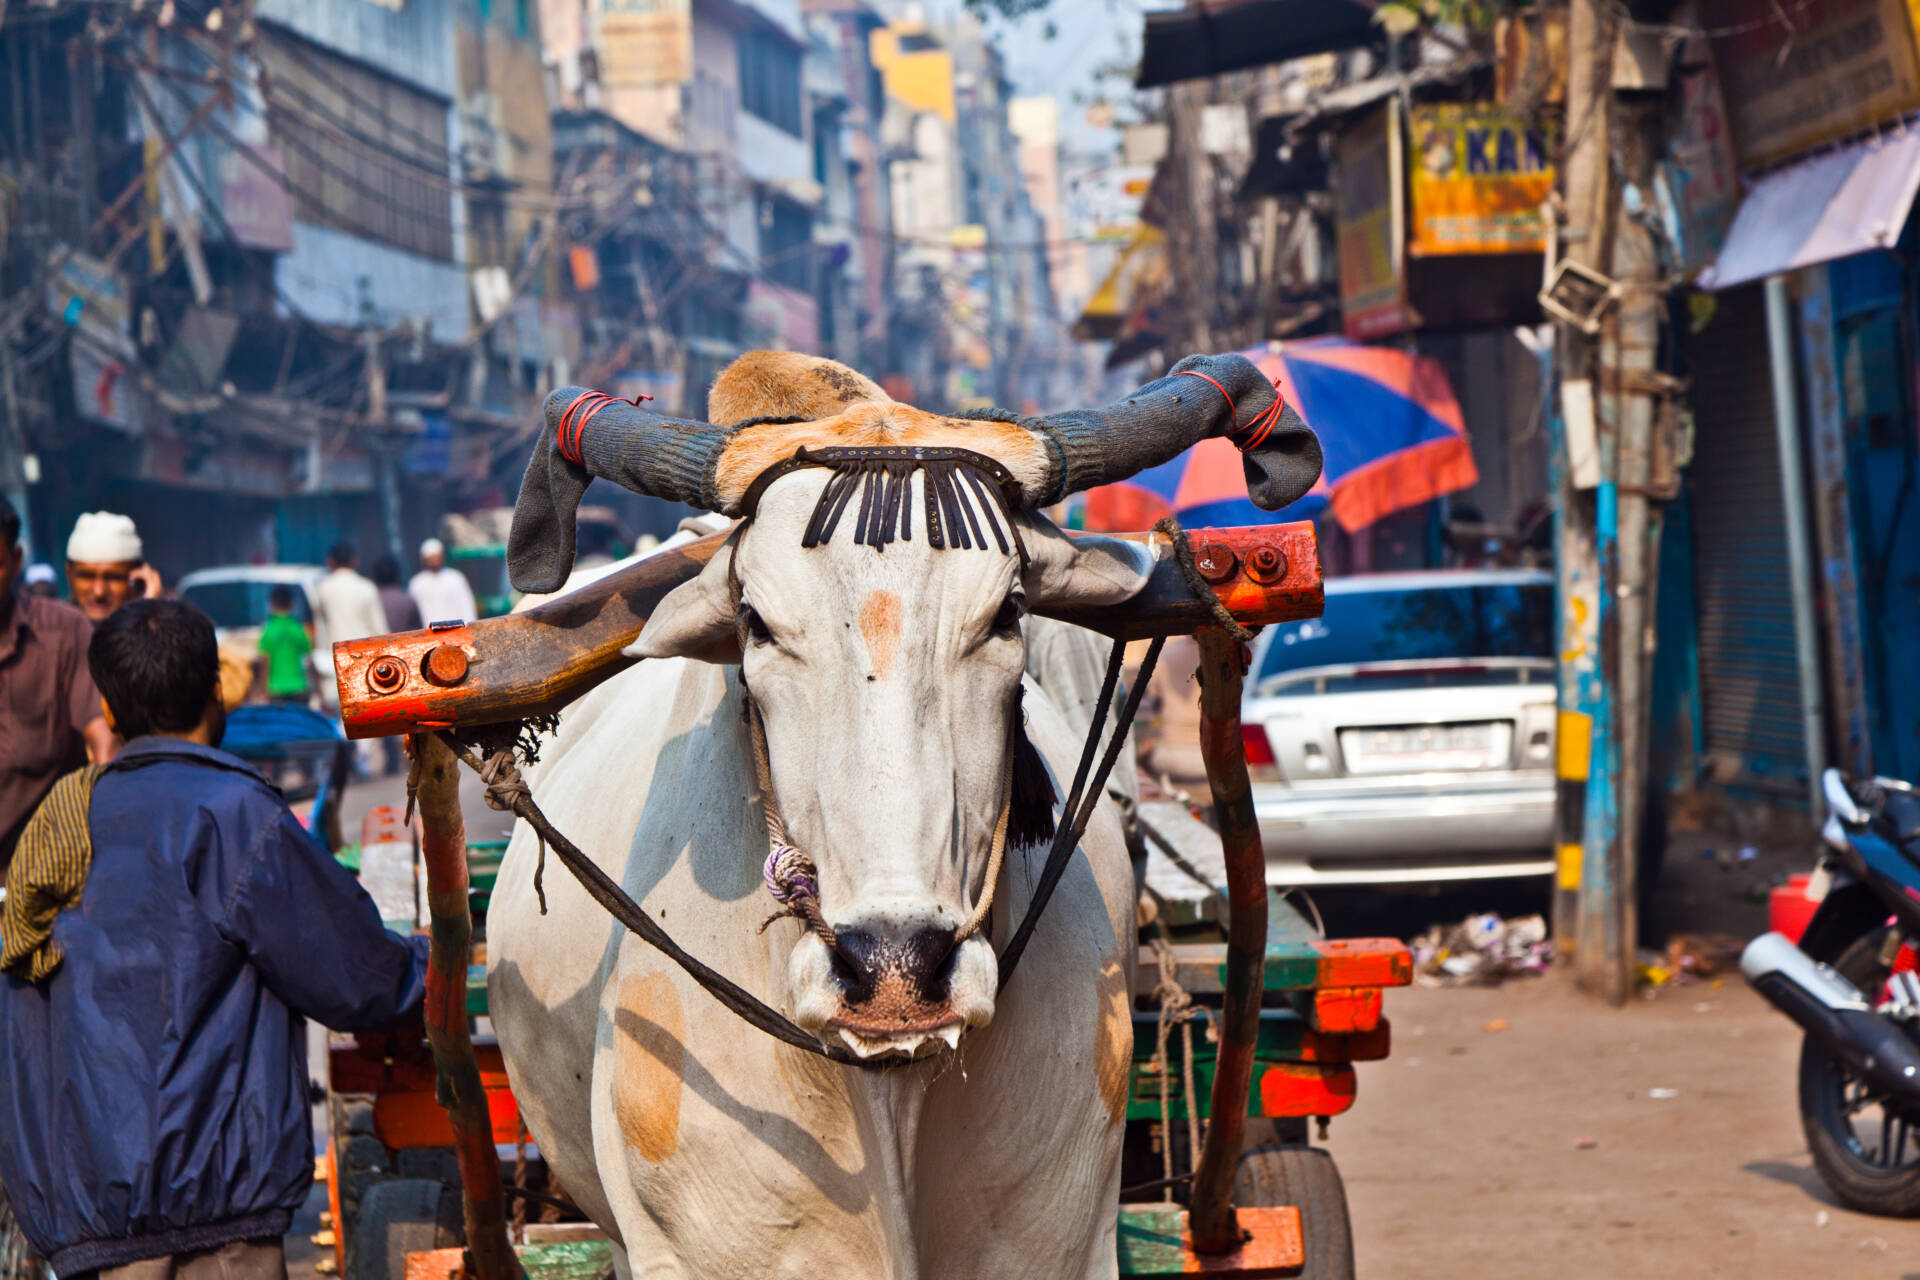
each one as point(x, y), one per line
point(1164, 418)
point(638, 449)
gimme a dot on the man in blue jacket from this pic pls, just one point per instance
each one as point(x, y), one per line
point(172, 928)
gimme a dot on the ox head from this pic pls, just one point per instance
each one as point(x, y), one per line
point(887, 667)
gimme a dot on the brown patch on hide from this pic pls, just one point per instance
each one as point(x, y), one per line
point(650, 1034)
point(752, 450)
point(786, 384)
point(880, 626)
point(1113, 1040)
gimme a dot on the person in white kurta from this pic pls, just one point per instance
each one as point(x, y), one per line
point(441, 591)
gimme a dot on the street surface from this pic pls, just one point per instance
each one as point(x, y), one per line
point(1462, 1153)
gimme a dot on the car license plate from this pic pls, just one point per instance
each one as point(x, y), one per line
point(1427, 748)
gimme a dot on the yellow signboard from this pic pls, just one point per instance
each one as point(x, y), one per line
point(642, 43)
point(1805, 74)
point(1368, 188)
point(1479, 179)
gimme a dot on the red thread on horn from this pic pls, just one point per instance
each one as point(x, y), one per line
point(1249, 436)
point(576, 416)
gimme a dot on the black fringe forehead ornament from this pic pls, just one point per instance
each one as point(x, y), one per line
point(967, 495)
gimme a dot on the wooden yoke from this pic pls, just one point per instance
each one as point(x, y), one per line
point(534, 663)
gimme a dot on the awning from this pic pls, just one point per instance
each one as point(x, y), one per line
point(1207, 40)
point(1846, 201)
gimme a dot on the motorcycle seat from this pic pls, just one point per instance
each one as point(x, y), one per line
point(1901, 811)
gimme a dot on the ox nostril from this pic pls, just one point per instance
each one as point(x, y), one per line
point(857, 957)
point(927, 960)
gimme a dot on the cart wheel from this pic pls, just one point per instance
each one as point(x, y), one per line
point(360, 1159)
point(1304, 1177)
point(399, 1217)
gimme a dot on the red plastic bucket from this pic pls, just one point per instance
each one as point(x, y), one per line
point(1789, 909)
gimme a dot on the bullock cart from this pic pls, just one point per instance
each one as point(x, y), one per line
point(1227, 1095)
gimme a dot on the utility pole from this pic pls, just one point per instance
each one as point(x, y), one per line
point(1192, 233)
point(1589, 745)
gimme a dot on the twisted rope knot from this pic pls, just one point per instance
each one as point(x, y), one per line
point(505, 790)
point(794, 883)
point(501, 774)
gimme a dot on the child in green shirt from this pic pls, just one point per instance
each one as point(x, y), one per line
point(285, 644)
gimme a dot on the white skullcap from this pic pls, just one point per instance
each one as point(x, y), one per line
point(432, 547)
point(104, 537)
point(39, 573)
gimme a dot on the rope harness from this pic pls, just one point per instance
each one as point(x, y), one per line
point(791, 877)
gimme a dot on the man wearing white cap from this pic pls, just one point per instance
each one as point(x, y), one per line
point(441, 591)
point(106, 565)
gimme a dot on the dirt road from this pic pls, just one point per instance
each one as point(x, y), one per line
point(1462, 1155)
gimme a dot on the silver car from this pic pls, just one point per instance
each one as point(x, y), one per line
point(1406, 735)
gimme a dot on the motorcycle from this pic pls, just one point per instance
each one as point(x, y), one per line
point(1853, 985)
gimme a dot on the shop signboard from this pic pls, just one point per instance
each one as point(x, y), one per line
point(644, 43)
point(1479, 179)
point(1831, 68)
point(1369, 197)
point(1699, 181)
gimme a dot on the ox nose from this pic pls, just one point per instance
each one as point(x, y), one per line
point(869, 956)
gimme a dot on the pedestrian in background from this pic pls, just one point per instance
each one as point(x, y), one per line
point(402, 613)
point(154, 1115)
point(346, 605)
point(285, 644)
point(442, 592)
point(50, 716)
point(107, 565)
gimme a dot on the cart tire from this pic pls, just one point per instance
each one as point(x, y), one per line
point(1307, 1178)
point(360, 1159)
point(399, 1217)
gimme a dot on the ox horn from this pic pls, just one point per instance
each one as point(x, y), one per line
point(647, 452)
point(1164, 418)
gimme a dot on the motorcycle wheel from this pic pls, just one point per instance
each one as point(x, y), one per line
point(1867, 1150)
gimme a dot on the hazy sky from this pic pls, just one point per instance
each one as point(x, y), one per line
point(1090, 34)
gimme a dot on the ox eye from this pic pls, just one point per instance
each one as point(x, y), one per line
point(756, 625)
point(1007, 621)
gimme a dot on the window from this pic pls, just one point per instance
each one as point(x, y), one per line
point(770, 79)
point(365, 153)
point(786, 245)
point(1510, 618)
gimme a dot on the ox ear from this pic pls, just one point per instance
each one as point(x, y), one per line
point(694, 620)
point(1064, 573)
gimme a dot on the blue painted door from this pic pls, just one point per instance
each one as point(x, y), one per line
point(1874, 324)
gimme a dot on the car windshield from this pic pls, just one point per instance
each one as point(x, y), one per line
point(241, 602)
point(1447, 620)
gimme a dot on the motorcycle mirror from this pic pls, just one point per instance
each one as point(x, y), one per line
point(1839, 799)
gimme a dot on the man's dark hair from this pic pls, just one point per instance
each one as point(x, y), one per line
point(156, 664)
point(281, 597)
point(341, 553)
point(386, 572)
point(9, 524)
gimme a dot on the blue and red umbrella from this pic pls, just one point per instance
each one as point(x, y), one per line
point(1387, 420)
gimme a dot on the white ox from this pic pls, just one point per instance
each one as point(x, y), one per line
point(887, 681)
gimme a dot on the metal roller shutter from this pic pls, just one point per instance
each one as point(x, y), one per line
point(1749, 683)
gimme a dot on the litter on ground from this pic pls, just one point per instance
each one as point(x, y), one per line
point(1481, 951)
